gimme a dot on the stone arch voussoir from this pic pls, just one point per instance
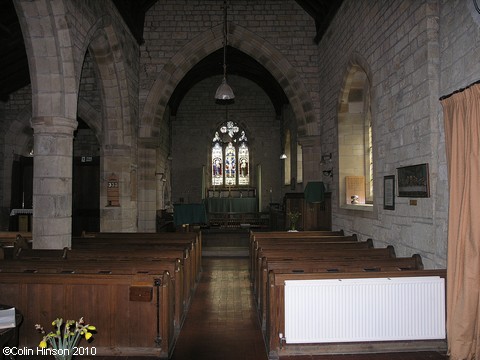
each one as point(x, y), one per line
point(256, 47)
point(105, 49)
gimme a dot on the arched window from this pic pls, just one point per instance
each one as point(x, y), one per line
point(287, 163)
point(299, 163)
point(230, 156)
point(355, 140)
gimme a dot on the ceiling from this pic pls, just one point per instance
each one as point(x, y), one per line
point(14, 73)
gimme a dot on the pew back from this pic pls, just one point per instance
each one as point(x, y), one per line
point(110, 302)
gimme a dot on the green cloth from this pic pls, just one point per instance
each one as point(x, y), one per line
point(314, 192)
point(238, 205)
point(189, 214)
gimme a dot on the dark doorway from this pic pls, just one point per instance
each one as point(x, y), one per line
point(21, 194)
point(86, 194)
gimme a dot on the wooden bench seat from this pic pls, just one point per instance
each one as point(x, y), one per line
point(255, 242)
point(318, 252)
point(11, 241)
point(122, 239)
point(257, 235)
point(101, 255)
point(293, 247)
point(134, 314)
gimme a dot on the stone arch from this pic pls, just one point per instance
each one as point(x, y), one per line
point(55, 90)
point(105, 50)
point(210, 41)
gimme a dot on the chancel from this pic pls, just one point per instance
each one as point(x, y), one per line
point(179, 171)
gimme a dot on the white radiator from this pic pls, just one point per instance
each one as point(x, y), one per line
point(373, 309)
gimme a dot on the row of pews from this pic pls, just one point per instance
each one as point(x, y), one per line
point(134, 287)
point(296, 279)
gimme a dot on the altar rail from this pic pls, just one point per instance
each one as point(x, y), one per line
point(254, 220)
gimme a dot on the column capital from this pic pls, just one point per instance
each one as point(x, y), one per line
point(309, 140)
point(53, 124)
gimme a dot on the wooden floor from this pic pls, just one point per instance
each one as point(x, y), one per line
point(222, 322)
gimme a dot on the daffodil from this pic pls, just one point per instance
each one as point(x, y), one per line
point(72, 332)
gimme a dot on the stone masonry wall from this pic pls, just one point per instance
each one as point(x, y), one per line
point(194, 127)
point(171, 25)
point(396, 42)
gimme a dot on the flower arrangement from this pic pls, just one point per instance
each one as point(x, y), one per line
point(65, 338)
point(293, 217)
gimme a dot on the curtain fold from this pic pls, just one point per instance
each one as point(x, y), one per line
point(462, 137)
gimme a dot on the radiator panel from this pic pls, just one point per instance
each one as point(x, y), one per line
point(362, 310)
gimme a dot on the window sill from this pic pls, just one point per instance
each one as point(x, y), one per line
point(360, 207)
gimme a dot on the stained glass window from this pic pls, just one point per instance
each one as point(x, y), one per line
point(217, 161)
point(230, 165)
point(230, 156)
point(243, 178)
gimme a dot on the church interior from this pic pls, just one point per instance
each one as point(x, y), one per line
point(181, 166)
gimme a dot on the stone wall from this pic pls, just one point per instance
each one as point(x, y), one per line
point(397, 45)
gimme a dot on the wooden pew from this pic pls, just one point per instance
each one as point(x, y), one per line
point(11, 241)
point(298, 244)
point(315, 237)
point(318, 251)
point(101, 255)
point(9, 237)
point(337, 266)
point(277, 344)
point(118, 239)
point(155, 252)
point(133, 313)
point(256, 235)
point(52, 265)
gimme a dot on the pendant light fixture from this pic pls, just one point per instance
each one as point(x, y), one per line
point(224, 91)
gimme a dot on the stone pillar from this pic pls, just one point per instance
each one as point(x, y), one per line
point(312, 153)
point(52, 182)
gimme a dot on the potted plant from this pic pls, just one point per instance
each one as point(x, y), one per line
point(293, 218)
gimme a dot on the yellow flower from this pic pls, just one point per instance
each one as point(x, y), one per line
point(88, 335)
point(43, 344)
point(91, 327)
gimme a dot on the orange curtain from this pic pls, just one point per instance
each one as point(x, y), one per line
point(462, 138)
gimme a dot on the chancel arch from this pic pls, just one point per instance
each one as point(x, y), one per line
point(210, 41)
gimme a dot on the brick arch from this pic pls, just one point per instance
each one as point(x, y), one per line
point(210, 41)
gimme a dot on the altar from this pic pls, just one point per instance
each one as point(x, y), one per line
point(231, 204)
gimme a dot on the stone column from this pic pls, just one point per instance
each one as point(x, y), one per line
point(312, 153)
point(52, 182)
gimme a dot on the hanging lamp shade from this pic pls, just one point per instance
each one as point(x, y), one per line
point(224, 91)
